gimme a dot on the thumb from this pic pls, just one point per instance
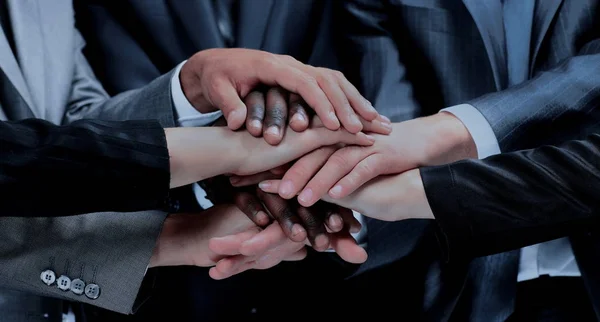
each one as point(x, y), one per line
point(226, 98)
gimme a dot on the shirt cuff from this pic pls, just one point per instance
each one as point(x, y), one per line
point(479, 128)
point(185, 114)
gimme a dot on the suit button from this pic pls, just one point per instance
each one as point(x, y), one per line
point(77, 286)
point(48, 277)
point(63, 283)
point(92, 291)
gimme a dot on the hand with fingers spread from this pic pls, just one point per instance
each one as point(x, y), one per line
point(217, 78)
point(337, 172)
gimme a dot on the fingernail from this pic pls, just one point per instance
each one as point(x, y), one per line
point(385, 118)
point(262, 218)
point(335, 220)
point(273, 131)
point(321, 241)
point(370, 137)
point(333, 117)
point(355, 229)
point(370, 106)
point(234, 180)
point(264, 185)
point(336, 191)
point(286, 189)
point(387, 126)
point(256, 124)
point(306, 196)
point(233, 115)
point(354, 119)
point(299, 118)
point(297, 229)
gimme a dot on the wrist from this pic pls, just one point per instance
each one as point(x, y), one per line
point(449, 139)
point(165, 252)
point(191, 86)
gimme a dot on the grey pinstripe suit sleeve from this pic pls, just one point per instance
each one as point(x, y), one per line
point(557, 105)
point(372, 62)
point(110, 249)
point(89, 99)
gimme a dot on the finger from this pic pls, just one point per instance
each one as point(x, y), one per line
point(276, 256)
point(232, 244)
point(337, 166)
point(323, 137)
point(275, 115)
point(282, 211)
point(251, 206)
point(270, 186)
point(346, 247)
point(359, 104)
point(255, 103)
point(333, 219)
point(298, 113)
point(364, 171)
point(293, 76)
point(226, 98)
point(302, 170)
point(350, 222)
point(380, 125)
point(297, 256)
point(331, 86)
point(229, 266)
point(271, 237)
point(243, 181)
point(280, 170)
point(315, 227)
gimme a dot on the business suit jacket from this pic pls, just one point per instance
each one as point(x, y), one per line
point(130, 42)
point(52, 76)
point(158, 35)
point(434, 54)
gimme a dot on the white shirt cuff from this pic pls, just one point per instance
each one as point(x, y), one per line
point(479, 128)
point(185, 114)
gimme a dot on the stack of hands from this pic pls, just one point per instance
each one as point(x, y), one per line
point(296, 166)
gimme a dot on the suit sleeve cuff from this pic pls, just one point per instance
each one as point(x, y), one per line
point(185, 114)
point(479, 128)
point(454, 232)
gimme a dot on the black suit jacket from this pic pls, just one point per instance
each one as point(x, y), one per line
point(132, 42)
point(434, 54)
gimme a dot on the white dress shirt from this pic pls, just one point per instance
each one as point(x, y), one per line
point(554, 258)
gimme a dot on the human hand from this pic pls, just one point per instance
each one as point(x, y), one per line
point(432, 140)
point(297, 222)
point(235, 248)
point(219, 77)
point(184, 239)
point(388, 198)
point(268, 114)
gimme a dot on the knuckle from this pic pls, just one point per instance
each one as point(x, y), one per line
point(310, 219)
point(339, 160)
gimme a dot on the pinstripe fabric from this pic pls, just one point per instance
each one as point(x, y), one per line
point(112, 249)
point(445, 53)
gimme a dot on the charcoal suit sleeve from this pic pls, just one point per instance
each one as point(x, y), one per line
point(512, 200)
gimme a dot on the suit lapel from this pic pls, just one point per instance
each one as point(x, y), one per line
point(252, 23)
point(25, 19)
point(198, 21)
point(544, 13)
point(8, 62)
point(488, 18)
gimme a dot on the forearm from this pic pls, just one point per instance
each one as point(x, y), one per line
point(516, 199)
point(390, 198)
point(89, 166)
point(201, 153)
